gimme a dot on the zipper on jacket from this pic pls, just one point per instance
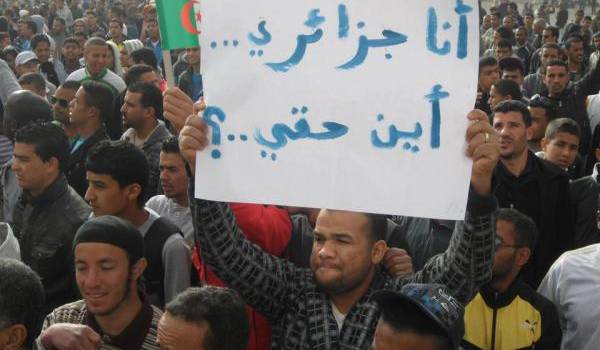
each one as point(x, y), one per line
point(494, 321)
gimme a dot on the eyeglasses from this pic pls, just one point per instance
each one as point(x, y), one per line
point(61, 102)
point(500, 244)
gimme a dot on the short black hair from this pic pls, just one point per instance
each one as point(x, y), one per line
point(99, 96)
point(552, 63)
point(505, 33)
point(71, 85)
point(170, 145)
point(80, 34)
point(514, 106)
point(503, 43)
point(407, 317)
point(48, 140)
point(23, 107)
point(144, 55)
point(221, 309)
point(573, 40)
point(551, 108)
point(512, 64)
point(151, 97)
point(378, 226)
point(38, 39)
point(553, 30)
point(487, 62)
point(566, 125)
point(135, 72)
point(95, 41)
point(22, 298)
point(124, 162)
point(510, 88)
point(551, 46)
point(60, 19)
point(526, 231)
point(35, 79)
point(72, 40)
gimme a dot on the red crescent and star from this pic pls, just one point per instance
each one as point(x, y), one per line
point(186, 22)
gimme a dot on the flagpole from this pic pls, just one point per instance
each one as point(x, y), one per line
point(169, 73)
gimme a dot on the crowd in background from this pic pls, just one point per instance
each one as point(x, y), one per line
point(102, 244)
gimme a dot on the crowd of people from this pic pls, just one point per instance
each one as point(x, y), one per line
point(103, 245)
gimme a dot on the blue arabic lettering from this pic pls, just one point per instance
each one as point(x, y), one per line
point(463, 31)
point(463, 28)
point(301, 43)
point(344, 25)
point(395, 135)
point(265, 35)
point(364, 44)
point(434, 98)
point(432, 29)
point(282, 132)
point(314, 19)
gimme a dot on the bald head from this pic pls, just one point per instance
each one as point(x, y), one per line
point(23, 107)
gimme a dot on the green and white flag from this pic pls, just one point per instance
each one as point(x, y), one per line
point(178, 23)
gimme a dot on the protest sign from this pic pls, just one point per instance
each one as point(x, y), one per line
point(354, 105)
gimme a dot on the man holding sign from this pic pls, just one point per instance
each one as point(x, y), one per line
point(330, 305)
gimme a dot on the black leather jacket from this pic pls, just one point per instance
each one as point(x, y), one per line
point(45, 227)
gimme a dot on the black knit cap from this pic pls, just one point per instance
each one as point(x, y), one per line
point(114, 231)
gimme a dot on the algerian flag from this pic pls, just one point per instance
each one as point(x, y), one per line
point(177, 20)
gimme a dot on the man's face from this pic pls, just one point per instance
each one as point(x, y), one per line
point(513, 134)
point(514, 75)
point(487, 21)
point(556, 79)
point(42, 51)
point(78, 27)
point(173, 178)
point(31, 171)
point(103, 276)
point(586, 23)
point(548, 37)
point(60, 107)
point(341, 257)
point(528, 21)
point(502, 52)
point(91, 20)
point(496, 98)
point(508, 22)
point(115, 30)
point(538, 27)
point(575, 52)
point(175, 333)
point(58, 27)
point(596, 41)
point(105, 196)
point(548, 55)
point(562, 149)
point(79, 112)
point(506, 254)
point(152, 30)
point(387, 338)
point(578, 16)
point(32, 66)
point(521, 36)
point(488, 76)
point(71, 51)
point(4, 42)
point(193, 56)
point(96, 58)
point(495, 21)
point(151, 78)
point(538, 123)
point(132, 110)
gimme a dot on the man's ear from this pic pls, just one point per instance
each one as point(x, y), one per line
point(523, 256)
point(17, 334)
point(378, 251)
